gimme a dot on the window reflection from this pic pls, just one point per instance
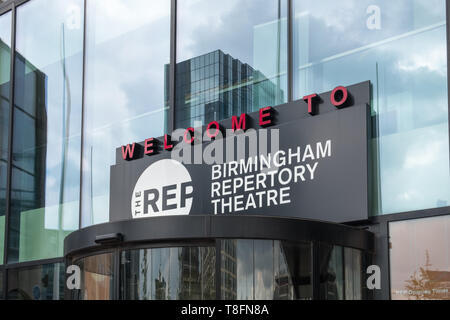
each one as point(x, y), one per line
point(400, 46)
point(45, 282)
point(185, 273)
point(97, 278)
point(231, 58)
point(5, 64)
point(265, 270)
point(420, 259)
point(47, 128)
point(127, 50)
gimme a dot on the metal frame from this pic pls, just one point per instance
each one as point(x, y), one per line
point(83, 100)
point(10, 142)
point(204, 227)
point(381, 223)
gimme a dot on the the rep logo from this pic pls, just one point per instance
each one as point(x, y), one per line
point(163, 189)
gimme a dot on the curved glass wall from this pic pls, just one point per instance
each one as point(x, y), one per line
point(243, 270)
point(96, 278)
point(5, 80)
point(168, 274)
point(400, 46)
point(266, 270)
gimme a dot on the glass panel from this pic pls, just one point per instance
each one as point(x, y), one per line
point(353, 274)
point(246, 40)
point(420, 259)
point(331, 264)
point(44, 282)
point(186, 273)
point(293, 271)
point(127, 56)
point(5, 70)
point(97, 278)
point(245, 270)
point(265, 270)
point(47, 128)
point(400, 46)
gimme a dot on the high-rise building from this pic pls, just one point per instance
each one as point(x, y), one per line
point(215, 86)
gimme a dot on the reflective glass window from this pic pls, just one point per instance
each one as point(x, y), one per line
point(245, 41)
point(45, 282)
point(353, 274)
point(420, 259)
point(265, 270)
point(47, 128)
point(331, 268)
point(184, 273)
point(127, 60)
point(97, 278)
point(5, 78)
point(400, 46)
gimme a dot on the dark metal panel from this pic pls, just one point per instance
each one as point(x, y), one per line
point(186, 228)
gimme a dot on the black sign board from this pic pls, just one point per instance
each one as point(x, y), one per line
point(312, 165)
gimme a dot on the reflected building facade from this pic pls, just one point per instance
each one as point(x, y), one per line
point(216, 86)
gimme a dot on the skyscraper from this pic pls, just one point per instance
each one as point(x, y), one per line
point(215, 86)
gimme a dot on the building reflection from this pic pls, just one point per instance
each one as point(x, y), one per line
point(215, 86)
point(252, 269)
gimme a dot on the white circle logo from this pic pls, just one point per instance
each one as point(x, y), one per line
point(163, 189)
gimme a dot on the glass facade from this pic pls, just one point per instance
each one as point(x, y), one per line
point(183, 273)
point(97, 278)
point(89, 79)
point(266, 270)
point(5, 87)
point(420, 259)
point(125, 89)
point(45, 282)
point(248, 270)
point(231, 58)
point(341, 273)
point(45, 183)
point(400, 46)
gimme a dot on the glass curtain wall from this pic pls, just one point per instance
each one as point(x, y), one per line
point(265, 270)
point(47, 128)
point(5, 85)
point(45, 282)
point(231, 58)
point(400, 46)
point(97, 278)
point(420, 259)
point(184, 273)
point(127, 61)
